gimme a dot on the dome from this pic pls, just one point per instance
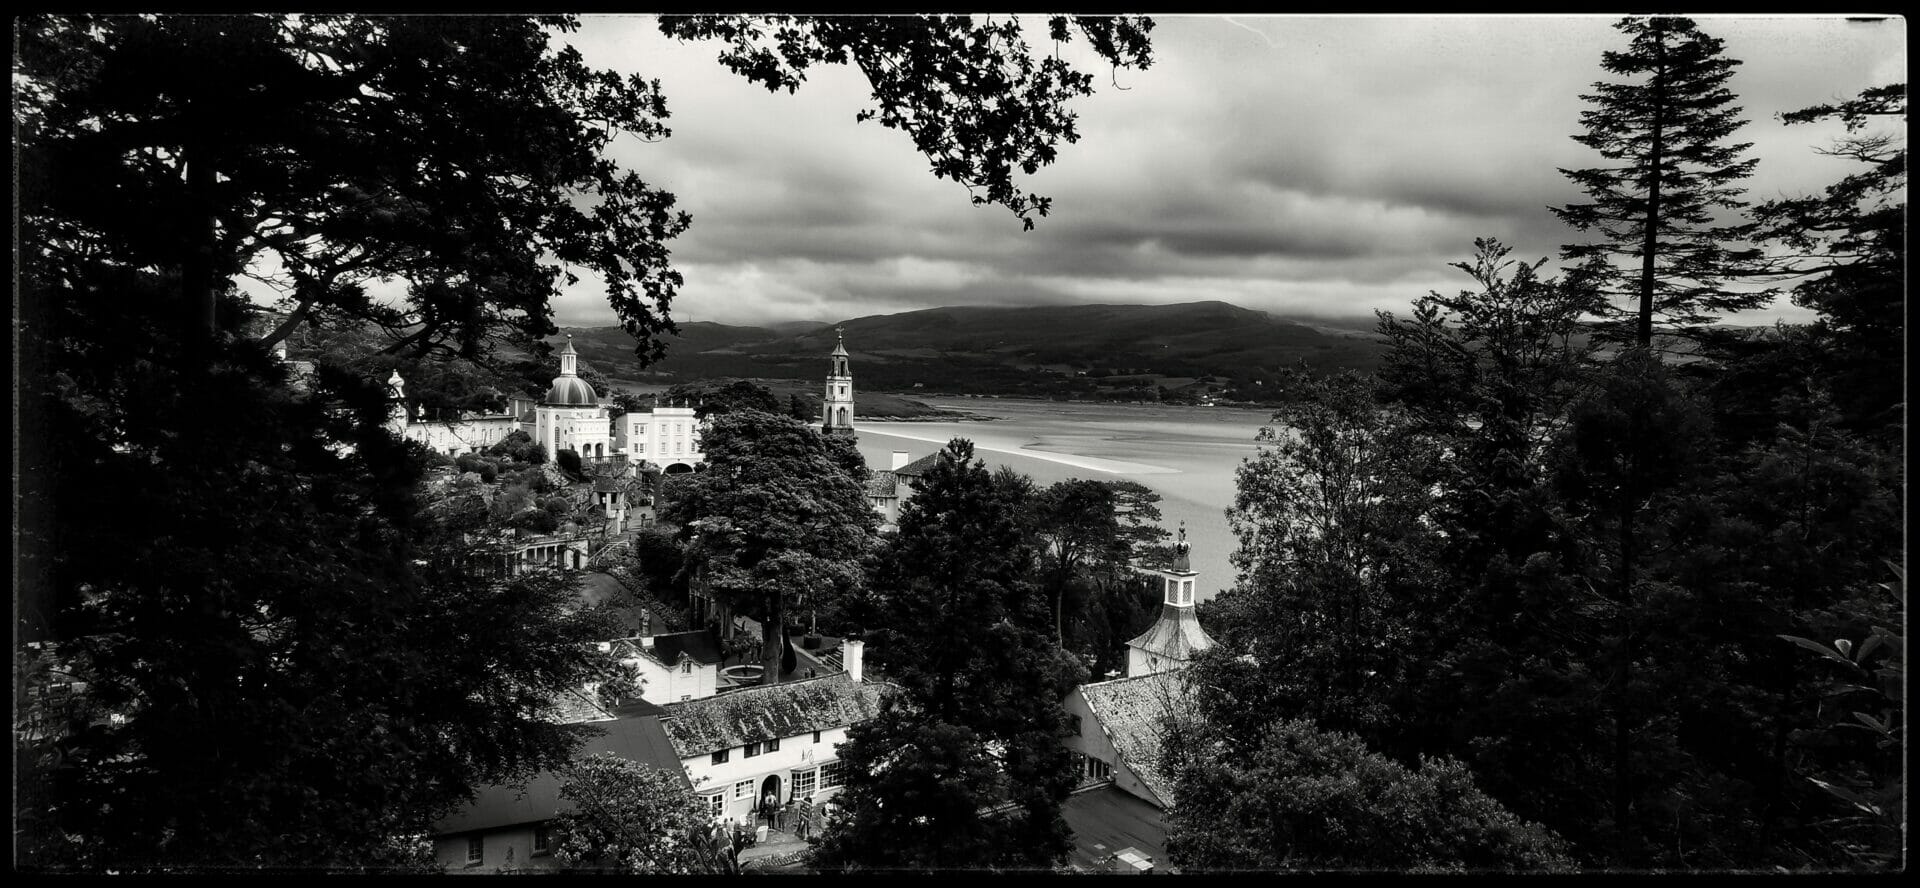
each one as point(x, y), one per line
point(571, 391)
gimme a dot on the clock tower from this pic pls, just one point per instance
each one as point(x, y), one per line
point(837, 407)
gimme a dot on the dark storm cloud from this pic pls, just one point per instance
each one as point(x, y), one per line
point(1303, 165)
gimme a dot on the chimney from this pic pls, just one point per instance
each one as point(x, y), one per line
point(899, 459)
point(850, 651)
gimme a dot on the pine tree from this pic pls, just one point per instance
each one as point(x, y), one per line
point(1665, 129)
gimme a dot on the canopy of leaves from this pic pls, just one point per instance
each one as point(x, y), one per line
point(778, 520)
point(631, 817)
point(1306, 799)
point(959, 630)
point(977, 100)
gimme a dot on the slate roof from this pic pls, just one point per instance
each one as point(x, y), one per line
point(572, 707)
point(703, 645)
point(639, 739)
point(1130, 711)
point(918, 467)
point(882, 484)
point(709, 724)
point(1177, 634)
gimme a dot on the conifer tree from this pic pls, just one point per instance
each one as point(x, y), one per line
point(1665, 130)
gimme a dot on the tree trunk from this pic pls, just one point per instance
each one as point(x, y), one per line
point(773, 637)
point(1649, 245)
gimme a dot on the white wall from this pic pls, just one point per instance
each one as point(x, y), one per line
point(799, 752)
point(450, 851)
point(667, 684)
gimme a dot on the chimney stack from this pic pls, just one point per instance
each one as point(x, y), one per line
point(850, 651)
point(899, 459)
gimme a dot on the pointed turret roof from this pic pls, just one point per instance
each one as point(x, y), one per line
point(567, 347)
point(840, 345)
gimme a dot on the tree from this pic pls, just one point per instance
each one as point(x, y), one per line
point(1335, 560)
point(632, 817)
point(1666, 129)
point(1848, 248)
point(1304, 799)
point(778, 521)
point(970, 747)
point(712, 398)
point(348, 680)
point(970, 95)
point(304, 703)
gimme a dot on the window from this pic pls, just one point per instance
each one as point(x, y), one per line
point(1076, 725)
point(542, 841)
point(803, 783)
point(772, 746)
point(832, 774)
point(1098, 770)
point(743, 790)
point(717, 804)
point(816, 736)
point(721, 756)
point(686, 667)
point(639, 450)
point(476, 849)
point(751, 750)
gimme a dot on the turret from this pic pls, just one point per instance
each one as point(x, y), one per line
point(1176, 637)
point(836, 409)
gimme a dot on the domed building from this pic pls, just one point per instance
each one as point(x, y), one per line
point(572, 417)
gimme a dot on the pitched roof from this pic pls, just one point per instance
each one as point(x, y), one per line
point(1176, 635)
point(710, 724)
point(881, 483)
point(572, 706)
point(1130, 710)
point(918, 467)
point(703, 645)
point(640, 739)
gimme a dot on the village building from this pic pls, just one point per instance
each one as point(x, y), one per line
point(1118, 814)
point(506, 827)
point(570, 417)
point(677, 666)
point(776, 741)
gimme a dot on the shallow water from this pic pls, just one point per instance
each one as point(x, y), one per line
point(1186, 454)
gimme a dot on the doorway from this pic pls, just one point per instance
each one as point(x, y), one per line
point(770, 786)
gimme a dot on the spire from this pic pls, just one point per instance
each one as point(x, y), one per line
point(840, 344)
point(569, 359)
point(1173, 639)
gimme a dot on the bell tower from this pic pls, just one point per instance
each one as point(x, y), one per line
point(836, 409)
point(1173, 640)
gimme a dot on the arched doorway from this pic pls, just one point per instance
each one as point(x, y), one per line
point(843, 416)
point(679, 469)
point(770, 787)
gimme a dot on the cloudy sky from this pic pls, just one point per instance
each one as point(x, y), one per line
point(1299, 165)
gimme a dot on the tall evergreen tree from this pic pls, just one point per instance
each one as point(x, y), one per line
point(1665, 128)
point(966, 767)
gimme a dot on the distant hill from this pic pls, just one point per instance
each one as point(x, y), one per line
point(1004, 350)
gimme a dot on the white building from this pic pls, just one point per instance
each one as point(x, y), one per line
point(668, 437)
point(1173, 640)
point(677, 666)
point(781, 740)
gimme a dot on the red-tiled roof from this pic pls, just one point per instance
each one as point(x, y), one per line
point(881, 484)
